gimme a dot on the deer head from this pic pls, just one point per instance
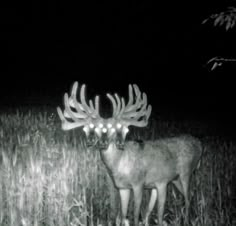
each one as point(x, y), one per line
point(114, 129)
point(80, 114)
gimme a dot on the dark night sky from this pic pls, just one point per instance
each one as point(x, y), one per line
point(160, 45)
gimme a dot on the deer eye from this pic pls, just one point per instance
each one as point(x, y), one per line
point(126, 130)
point(109, 125)
point(100, 125)
point(113, 130)
point(91, 125)
point(85, 129)
point(118, 125)
point(97, 130)
point(104, 130)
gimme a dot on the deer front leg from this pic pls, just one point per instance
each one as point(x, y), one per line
point(150, 207)
point(161, 192)
point(138, 194)
point(124, 200)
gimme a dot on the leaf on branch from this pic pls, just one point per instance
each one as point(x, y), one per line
point(219, 19)
point(218, 61)
point(227, 18)
point(215, 65)
point(233, 23)
point(228, 25)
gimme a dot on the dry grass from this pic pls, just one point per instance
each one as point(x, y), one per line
point(49, 178)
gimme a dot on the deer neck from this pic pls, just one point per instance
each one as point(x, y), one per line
point(111, 155)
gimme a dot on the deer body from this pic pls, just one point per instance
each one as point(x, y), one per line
point(161, 160)
point(152, 164)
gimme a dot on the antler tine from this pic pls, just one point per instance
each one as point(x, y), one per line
point(73, 94)
point(138, 97)
point(146, 116)
point(122, 107)
point(91, 105)
point(95, 108)
point(131, 97)
point(79, 107)
point(66, 125)
point(131, 106)
point(97, 105)
point(83, 101)
point(137, 105)
point(84, 107)
point(114, 106)
point(79, 114)
point(149, 111)
point(59, 111)
point(68, 112)
point(141, 120)
point(136, 112)
point(116, 109)
point(75, 104)
point(118, 105)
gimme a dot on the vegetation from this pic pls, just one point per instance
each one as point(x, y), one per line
point(49, 178)
point(225, 18)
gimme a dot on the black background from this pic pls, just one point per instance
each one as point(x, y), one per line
point(159, 45)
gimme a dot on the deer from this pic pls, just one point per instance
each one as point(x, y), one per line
point(134, 165)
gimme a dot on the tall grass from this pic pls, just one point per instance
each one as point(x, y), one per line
point(48, 177)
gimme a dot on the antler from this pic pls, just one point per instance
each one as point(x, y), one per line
point(79, 114)
point(136, 112)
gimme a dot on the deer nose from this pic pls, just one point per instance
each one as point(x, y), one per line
point(91, 140)
point(103, 143)
point(120, 144)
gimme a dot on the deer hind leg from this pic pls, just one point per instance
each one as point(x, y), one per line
point(178, 185)
point(161, 193)
point(185, 184)
point(150, 207)
point(124, 198)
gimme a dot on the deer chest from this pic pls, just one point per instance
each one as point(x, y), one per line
point(124, 176)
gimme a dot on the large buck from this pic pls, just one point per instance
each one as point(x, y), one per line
point(134, 165)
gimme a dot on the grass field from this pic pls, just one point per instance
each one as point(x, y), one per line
point(49, 178)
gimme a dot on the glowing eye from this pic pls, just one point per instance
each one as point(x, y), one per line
point(96, 130)
point(104, 130)
point(85, 129)
point(113, 130)
point(100, 125)
point(91, 125)
point(126, 130)
point(109, 125)
point(118, 125)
